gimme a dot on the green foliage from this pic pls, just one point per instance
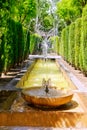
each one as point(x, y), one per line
point(68, 11)
point(14, 41)
point(78, 56)
point(24, 10)
point(20, 42)
point(79, 4)
point(84, 39)
point(64, 45)
point(35, 39)
point(62, 42)
point(47, 22)
point(2, 58)
point(8, 47)
point(71, 54)
point(12, 45)
point(73, 45)
point(43, 8)
point(54, 41)
point(56, 46)
point(45, 16)
point(66, 42)
point(26, 43)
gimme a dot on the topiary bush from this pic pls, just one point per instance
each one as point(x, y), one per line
point(78, 58)
point(35, 39)
point(8, 45)
point(54, 44)
point(20, 34)
point(62, 43)
point(65, 39)
point(71, 54)
point(27, 43)
point(66, 50)
point(56, 47)
point(84, 40)
point(2, 58)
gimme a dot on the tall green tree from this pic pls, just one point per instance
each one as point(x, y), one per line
point(70, 10)
point(78, 59)
point(66, 11)
point(26, 10)
point(71, 46)
point(84, 40)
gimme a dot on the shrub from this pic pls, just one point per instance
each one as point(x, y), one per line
point(26, 43)
point(2, 58)
point(54, 43)
point(71, 48)
point(8, 45)
point(20, 35)
point(35, 39)
point(65, 34)
point(78, 59)
point(63, 42)
point(84, 40)
point(66, 50)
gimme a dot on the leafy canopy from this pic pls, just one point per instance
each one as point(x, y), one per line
point(70, 10)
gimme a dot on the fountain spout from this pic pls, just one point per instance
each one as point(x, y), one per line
point(46, 89)
point(46, 84)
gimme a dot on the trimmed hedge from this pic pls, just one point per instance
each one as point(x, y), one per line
point(62, 43)
point(66, 43)
point(35, 39)
point(84, 40)
point(71, 48)
point(54, 43)
point(78, 58)
point(9, 44)
point(27, 43)
point(13, 46)
point(20, 42)
point(56, 46)
point(2, 58)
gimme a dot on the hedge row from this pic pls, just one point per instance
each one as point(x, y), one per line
point(78, 51)
point(54, 44)
point(13, 46)
point(84, 40)
point(73, 45)
point(35, 41)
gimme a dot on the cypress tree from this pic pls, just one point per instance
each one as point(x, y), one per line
point(78, 59)
point(72, 44)
point(84, 40)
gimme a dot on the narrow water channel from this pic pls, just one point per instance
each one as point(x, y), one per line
point(44, 70)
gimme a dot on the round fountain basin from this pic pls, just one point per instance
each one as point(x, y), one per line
point(53, 98)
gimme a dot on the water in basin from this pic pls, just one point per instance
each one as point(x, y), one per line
point(44, 69)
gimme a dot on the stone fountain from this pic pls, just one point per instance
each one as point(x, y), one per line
point(46, 95)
